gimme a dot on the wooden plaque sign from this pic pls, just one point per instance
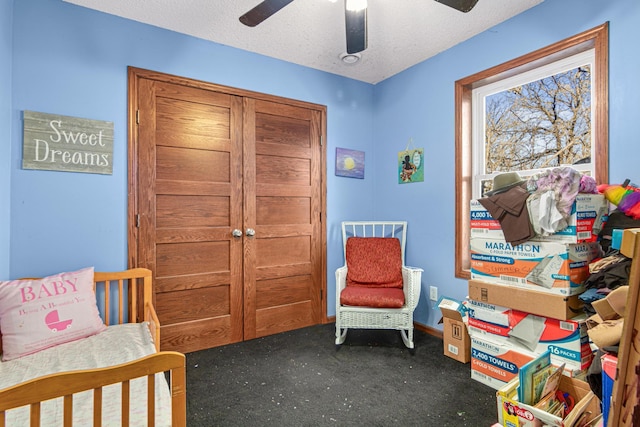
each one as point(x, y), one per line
point(69, 144)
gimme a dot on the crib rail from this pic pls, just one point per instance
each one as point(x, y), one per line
point(66, 384)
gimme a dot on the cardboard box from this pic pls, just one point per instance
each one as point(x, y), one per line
point(454, 334)
point(588, 214)
point(552, 267)
point(609, 365)
point(613, 305)
point(545, 304)
point(513, 413)
point(627, 245)
point(567, 340)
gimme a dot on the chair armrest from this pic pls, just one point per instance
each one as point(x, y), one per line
point(341, 277)
point(412, 280)
point(341, 282)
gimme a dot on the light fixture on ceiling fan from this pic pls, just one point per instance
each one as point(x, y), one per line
point(355, 17)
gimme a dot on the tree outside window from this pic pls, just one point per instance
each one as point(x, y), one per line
point(535, 125)
point(540, 124)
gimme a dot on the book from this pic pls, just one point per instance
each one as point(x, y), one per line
point(538, 382)
point(557, 408)
point(547, 403)
point(547, 380)
point(525, 377)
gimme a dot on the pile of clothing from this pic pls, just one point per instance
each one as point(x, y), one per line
point(605, 325)
point(605, 330)
point(612, 270)
point(539, 206)
point(605, 295)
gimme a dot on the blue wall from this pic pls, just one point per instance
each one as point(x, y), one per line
point(73, 61)
point(6, 38)
point(419, 103)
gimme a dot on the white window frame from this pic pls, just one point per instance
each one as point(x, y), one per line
point(478, 114)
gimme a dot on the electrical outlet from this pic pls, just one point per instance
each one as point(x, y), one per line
point(433, 293)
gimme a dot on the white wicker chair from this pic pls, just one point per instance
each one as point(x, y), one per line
point(358, 317)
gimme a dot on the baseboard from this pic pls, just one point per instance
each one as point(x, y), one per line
point(428, 330)
point(419, 326)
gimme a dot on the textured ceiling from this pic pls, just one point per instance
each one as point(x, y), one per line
point(401, 33)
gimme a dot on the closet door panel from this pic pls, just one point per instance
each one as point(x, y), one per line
point(283, 210)
point(191, 211)
point(190, 200)
point(282, 204)
point(282, 291)
point(208, 332)
point(207, 302)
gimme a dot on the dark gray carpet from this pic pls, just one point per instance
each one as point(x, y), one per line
point(298, 378)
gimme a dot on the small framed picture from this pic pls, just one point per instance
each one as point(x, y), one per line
point(411, 166)
point(349, 163)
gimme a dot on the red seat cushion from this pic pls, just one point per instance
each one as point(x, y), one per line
point(372, 297)
point(374, 262)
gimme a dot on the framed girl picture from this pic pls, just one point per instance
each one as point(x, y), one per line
point(349, 163)
point(411, 165)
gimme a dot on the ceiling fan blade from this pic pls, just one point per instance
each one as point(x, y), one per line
point(461, 5)
point(262, 11)
point(356, 24)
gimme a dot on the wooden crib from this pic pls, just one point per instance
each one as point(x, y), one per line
point(123, 298)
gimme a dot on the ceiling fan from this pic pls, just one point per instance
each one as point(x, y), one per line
point(355, 17)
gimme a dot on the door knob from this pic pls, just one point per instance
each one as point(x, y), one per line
point(251, 232)
point(236, 233)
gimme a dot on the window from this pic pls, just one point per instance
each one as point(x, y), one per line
point(541, 110)
point(534, 120)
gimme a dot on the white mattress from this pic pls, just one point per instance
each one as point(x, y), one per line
point(118, 344)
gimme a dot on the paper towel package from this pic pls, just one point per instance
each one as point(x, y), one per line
point(495, 364)
point(553, 267)
point(588, 214)
point(567, 340)
point(492, 313)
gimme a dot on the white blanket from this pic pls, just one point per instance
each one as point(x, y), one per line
point(118, 344)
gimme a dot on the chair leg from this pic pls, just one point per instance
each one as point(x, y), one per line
point(341, 334)
point(407, 337)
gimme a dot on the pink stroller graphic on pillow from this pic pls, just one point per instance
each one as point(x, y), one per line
point(55, 324)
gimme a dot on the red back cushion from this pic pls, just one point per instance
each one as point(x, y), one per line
point(374, 261)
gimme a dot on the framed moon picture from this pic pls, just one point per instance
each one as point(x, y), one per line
point(349, 163)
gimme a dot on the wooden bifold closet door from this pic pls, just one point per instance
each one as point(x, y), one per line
point(225, 204)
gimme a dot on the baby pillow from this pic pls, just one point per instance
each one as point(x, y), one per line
point(36, 314)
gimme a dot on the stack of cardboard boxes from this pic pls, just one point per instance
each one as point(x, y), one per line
point(523, 300)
